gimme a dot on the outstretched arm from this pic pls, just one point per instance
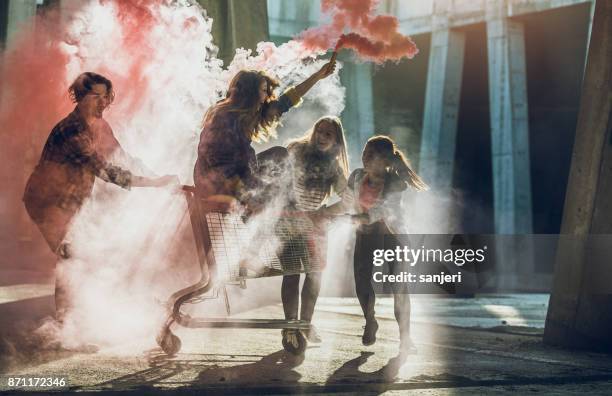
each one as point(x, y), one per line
point(123, 178)
point(322, 73)
point(347, 198)
point(107, 147)
point(162, 181)
point(292, 96)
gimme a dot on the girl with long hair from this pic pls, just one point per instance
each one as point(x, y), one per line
point(226, 161)
point(319, 166)
point(374, 194)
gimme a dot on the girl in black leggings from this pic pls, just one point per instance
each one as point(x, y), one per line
point(374, 194)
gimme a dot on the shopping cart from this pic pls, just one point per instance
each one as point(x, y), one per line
point(231, 250)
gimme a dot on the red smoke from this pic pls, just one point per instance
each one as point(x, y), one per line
point(374, 37)
point(33, 83)
point(34, 80)
point(33, 98)
point(136, 18)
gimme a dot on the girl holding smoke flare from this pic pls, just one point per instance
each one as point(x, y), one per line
point(319, 165)
point(226, 162)
point(76, 152)
point(374, 193)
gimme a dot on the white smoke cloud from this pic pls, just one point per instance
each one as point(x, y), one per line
point(133, 249)
point(129, 247)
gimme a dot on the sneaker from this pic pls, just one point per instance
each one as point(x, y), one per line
point(290, 337)
point(312, 335)
point(369, 332)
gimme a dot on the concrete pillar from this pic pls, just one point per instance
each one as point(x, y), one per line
point(20, 15)
point(591, 14)
point(358, 114)
point(237, 24)
point(510, 148)
point(358, 121)
point(580, 308)
point(442, 96)
point(509, 121)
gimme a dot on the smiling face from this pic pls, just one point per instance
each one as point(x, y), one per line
point(325, 136)
point(95, 101)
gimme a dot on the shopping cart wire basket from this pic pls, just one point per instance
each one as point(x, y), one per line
point(232, 249)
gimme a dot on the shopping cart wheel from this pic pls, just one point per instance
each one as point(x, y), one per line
point(289, 346)
point(169, 343)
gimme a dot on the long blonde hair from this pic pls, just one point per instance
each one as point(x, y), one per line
point(307, 143)
point(399, 164)
point(242, 98)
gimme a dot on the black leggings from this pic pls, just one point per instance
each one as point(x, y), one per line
point(370, 238)
point(290, 295)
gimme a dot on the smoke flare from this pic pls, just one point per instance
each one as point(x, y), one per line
point(373, 37)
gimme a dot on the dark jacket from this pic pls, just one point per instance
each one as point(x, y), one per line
point(70, 161)
point(226, 161)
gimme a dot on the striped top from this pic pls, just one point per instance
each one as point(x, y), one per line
point(308, 198)
point(312, 175)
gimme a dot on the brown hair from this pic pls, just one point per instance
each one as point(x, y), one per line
point(84, 83)
point(242, 98)
point(307, 143)
point(399, 164)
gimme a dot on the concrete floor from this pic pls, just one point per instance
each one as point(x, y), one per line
point(465, 346)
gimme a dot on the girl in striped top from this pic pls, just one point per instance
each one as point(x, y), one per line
point(319, 168)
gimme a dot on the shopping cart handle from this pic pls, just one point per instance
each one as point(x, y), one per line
point(217, 198)
point(222, 199)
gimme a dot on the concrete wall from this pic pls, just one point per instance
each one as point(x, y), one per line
point(417, 16)
point(532, 48)
point(19, 15)
point(580, 309)
point(237, 24)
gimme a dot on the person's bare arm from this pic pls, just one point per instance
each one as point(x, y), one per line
point(347, 199)
point(107, 147)
point(293, 96)
point(162, 181)
point(323, 72)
